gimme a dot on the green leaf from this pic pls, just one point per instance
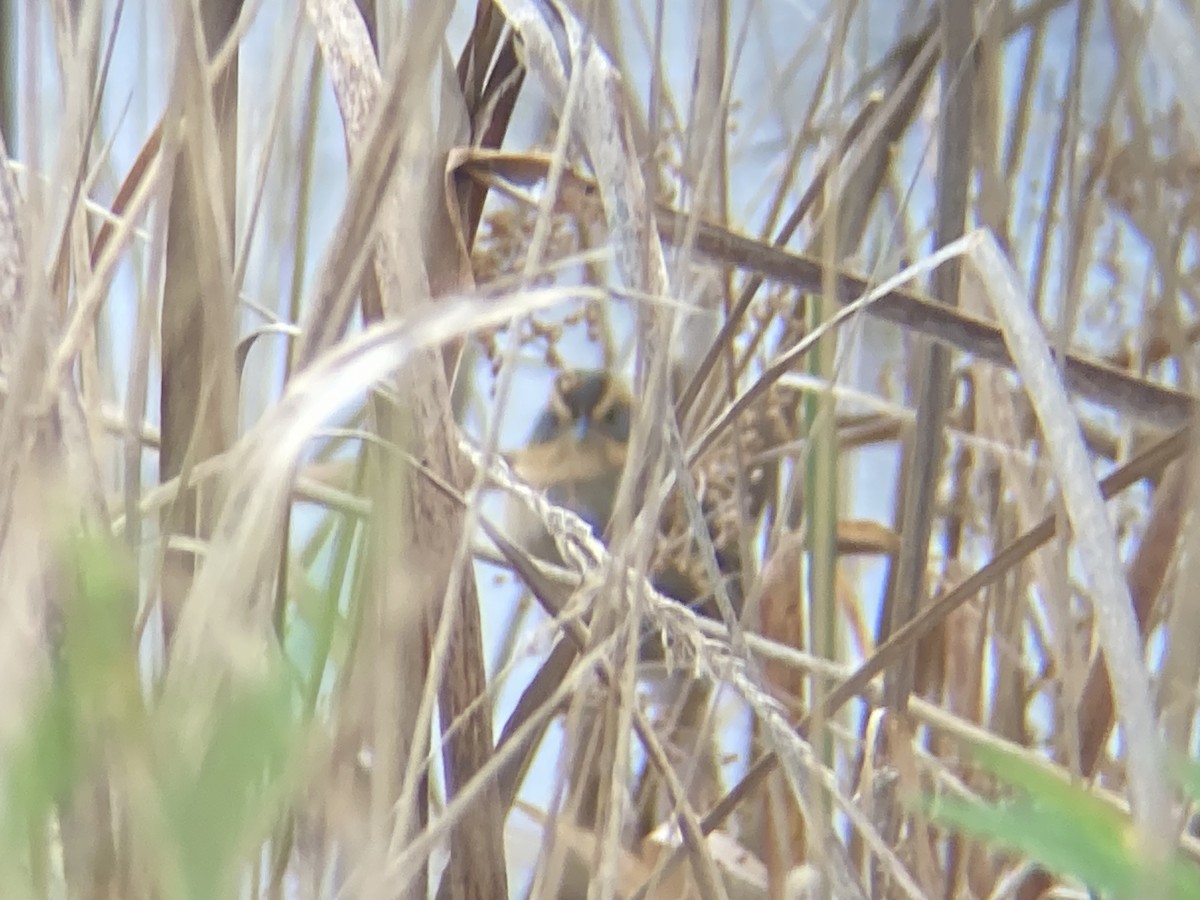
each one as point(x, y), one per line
point(1062, 826)
point(229, 802)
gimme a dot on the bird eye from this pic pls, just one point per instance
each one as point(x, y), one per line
point(616, 421)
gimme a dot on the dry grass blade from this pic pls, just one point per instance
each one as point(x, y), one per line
point(578, 546)
point(1153, 460)
point(410, 267)
point(1136, 397)
point(49, 476)
point(560, 51)
point(198, 395)
point(490, 96)
point(1172, 33)
point(1146, 575)
point(733, 321)
point(1146, 401)
point(233, 635)
point(922, 460)
point(718, 663)
point(284, 308)
point(210, 636)
point(590, 96)
point(788, 359)
point(1181, 667)
point(22, 637)
point(13, 276)
point(1116, 626)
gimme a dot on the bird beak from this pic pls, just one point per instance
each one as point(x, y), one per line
point(582, 427)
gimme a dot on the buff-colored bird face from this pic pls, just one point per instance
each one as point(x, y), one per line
point(578, 446)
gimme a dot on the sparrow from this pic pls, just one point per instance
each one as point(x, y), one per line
point(576, 453)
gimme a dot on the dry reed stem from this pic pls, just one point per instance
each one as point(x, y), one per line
point(1090, 198)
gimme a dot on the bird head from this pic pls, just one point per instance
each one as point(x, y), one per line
point(579, 444)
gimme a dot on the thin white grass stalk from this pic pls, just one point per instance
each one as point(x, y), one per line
point(264, 460)
point(971, 733)
point(926, 264)
point(533, 263)
point(579, 547)
point(926, 713)
point(713, 660)
point(542, 225)
point(279, 108)
point(404, 863)
point(74, 45)
point(742, 867)
point(1181, 666)
point(12, 259)
point(496, 685)
point(22, 630)
point(709, 651)
point(921, 267)
point(699, 328)
point(1094, 540)
point(100, 210)
point(799, 765)
point(556, 43)
point(306, 488)
point(142, 235)
point(372, 108)
point(629, 715)
point(561, 52)
point(228, 51)
point(990, 447)
point(1172, 36)
point(1007, 886)
point(87, 307)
